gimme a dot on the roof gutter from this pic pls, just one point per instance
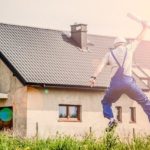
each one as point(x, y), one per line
point(64, 86)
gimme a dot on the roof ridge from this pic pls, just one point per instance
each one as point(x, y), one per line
point(32, 27)
point(107, 36)
point(111, 36)
point(57, 30)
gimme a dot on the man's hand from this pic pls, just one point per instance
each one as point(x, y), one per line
point(145, 24)
point(92, 82)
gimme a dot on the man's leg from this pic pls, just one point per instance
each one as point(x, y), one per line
point(110, 97)
point(134, 92)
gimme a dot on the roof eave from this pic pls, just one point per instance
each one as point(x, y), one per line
point(65, 86)
point(13, 69)
point(79, 87)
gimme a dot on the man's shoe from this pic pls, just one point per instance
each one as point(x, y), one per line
point(111, 125)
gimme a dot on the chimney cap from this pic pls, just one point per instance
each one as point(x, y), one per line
point(79, 27)
point(79, 24)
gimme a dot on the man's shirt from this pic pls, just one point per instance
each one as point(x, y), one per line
point(119, 54)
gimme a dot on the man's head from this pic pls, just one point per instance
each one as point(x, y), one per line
point(119, 41)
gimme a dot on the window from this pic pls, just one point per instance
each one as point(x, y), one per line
point(69, 113)
point(6, 118)
point(119, 113)
point(133, 114)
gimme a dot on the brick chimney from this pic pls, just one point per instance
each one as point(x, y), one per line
point(79, 34)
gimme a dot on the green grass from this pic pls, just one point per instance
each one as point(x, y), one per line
point(109, 141)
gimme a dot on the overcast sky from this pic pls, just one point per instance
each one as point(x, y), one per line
point(103, 17)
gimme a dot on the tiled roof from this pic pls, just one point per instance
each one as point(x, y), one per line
point(142, 55)
point(51, 57)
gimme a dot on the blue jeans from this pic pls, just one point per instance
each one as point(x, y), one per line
point(125, 85)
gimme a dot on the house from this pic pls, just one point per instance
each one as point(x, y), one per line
point(44, 82)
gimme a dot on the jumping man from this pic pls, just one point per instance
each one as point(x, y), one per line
point(122, 82)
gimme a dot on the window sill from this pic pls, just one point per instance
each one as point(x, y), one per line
point(119, 121)
point(132, 122)
point(68, 120)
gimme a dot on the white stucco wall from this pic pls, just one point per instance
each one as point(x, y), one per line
point(17, 98)
point(43, 108)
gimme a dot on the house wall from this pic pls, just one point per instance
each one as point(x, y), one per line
point(17, 96)
point(33, 106)
point(42, 109)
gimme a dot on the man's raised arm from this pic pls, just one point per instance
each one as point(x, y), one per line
point(140, 36)
point(99, 68)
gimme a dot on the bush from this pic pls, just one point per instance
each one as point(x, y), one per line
point(109, 141)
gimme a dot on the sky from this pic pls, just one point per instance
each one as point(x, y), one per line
point(103, 17)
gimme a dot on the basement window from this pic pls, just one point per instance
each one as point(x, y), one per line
point(133, 115)
point(119, 113)
point(6, 118)
point(69, 113)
